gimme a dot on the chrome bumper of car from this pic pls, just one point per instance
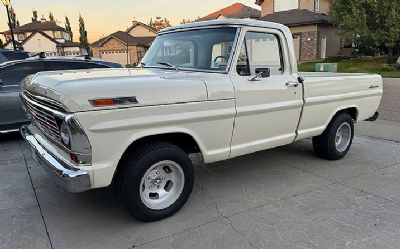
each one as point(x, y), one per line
point(71, 179)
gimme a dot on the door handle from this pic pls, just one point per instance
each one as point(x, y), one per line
point(292, 84)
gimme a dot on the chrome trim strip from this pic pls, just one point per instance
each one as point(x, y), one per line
point(8, 131)
point(71, 179)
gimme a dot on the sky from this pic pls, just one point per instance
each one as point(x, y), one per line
point(105, 17)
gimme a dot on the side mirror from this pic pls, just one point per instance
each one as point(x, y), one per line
point(263, 72)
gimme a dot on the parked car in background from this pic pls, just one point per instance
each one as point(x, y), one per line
point(12, 116)
point(11, 55)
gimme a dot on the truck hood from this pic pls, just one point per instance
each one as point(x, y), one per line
point(74, 89)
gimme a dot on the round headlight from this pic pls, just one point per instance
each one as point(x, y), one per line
point(64, 133)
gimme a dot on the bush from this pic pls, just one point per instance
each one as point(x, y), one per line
point(388, 68)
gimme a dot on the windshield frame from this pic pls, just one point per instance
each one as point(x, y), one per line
point(229, 63)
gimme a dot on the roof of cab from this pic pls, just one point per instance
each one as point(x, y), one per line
point(227, 22)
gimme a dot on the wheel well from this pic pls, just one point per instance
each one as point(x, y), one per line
point(352, 111)
point(182, 140)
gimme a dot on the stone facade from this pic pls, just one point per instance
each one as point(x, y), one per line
point(309, 46)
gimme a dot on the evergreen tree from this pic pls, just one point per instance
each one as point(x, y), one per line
point(83, 37)
point(68, 27)
point(51, 17)
point(1, 43)
point(374, 23)
point(14, 21)
point(35, 16)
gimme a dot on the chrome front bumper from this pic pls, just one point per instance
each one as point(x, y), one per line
point(71, 179)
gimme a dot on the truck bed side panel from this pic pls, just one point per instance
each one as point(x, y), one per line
point(326, 94)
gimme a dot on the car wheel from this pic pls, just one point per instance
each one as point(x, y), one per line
point(155, 181)
point(336, 140)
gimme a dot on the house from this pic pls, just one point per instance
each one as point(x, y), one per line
point(125, 47)
point(43, 36)
point(237, 10)
point(315, 36)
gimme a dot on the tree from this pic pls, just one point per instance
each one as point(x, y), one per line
point(51, 17)
point(83, 37)
point(373, 22)
point(34, 16)
point(184, 21)
point(159, 23)
point(14, 21)
point(1, 43)
point(68, 27)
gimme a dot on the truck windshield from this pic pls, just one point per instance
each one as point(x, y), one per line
point(205, 49)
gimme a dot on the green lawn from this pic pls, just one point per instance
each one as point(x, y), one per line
point(370, 65)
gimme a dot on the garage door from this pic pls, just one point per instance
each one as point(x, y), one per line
point(115, 56)
point(296, 41)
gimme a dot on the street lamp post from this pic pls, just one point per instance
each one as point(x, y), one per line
point(6, 3)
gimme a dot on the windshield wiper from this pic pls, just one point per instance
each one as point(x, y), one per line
point(142, 64)
point(168, 65)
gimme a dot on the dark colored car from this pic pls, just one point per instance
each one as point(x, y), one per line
point(11, 55)
point(12, 116)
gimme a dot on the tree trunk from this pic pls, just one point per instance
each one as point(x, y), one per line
point(391, 57)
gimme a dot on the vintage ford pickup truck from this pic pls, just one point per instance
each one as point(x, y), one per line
point(219, 88)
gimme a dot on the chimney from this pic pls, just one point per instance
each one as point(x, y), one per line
point(42, 19)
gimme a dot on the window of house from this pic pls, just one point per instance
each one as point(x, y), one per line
point(317, 5)
point(21, 37)
point(57, 34)
point(260, 50)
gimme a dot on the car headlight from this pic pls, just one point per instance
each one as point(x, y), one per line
point(75, 140)
point(64, 134)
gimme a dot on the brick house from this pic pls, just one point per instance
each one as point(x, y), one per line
point(237, 10)
point(315, 37)
point(125, 47)
point(43, 36)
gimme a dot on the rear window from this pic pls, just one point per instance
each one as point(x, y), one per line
point(13, 74)
point(12, 56)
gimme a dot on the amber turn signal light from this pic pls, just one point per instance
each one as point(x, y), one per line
point(102, 102)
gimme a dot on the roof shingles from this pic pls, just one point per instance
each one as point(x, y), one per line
point(237, 10)
point(125, 38)
point(38, 26)
point(297, 17)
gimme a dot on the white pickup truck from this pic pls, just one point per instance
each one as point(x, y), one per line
point(219, 88)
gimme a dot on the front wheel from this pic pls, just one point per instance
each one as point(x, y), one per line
point(336, 140)
point(155, 181)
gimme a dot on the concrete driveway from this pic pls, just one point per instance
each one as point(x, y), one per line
point(281, 198)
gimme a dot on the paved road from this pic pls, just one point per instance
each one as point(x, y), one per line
point(281, 198)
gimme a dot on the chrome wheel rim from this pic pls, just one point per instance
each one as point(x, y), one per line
point(162, 184)
point(343, 137)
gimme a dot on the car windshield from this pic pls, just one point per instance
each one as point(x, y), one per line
point(206, 49)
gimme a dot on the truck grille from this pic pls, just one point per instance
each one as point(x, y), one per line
point(41, 117)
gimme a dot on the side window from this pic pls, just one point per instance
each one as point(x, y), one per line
point(13, 74)
point(220, 54)
point(260, 50)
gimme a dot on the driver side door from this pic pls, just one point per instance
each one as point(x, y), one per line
point(268, 107)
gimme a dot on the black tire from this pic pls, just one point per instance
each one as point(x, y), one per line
point(134, 167)
point(325, 144)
